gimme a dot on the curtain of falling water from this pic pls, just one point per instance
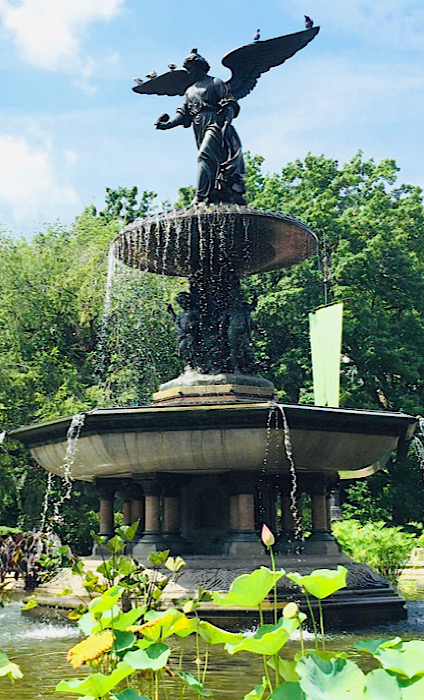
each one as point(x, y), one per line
point(418, 444)
point(298, 528)
point(72, 436)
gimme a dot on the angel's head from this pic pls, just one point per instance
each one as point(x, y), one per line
point(195, 63)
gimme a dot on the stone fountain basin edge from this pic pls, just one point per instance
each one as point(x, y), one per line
point(216, 439)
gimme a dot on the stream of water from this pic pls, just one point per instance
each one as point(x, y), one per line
point(40, 649)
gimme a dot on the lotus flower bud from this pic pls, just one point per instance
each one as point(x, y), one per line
point(290, 611)
point(266, 536)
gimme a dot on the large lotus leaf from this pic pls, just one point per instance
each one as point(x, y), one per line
point(249, 590)
point(107, 600)
point(289, 691)
point(97, 685)
point(286, 669)
point(405, 659)
point(335, 679)
point(161, 625)
point(8, 668)
point(123, 640)
point(322, 582)
point(268, 639)
point(153, 657)
point(193, 683)
point(413, 690)
point(371, 645)
point(214, 635)
point(258, 692)
point(130, 694)
point(113, 618)
point(380, 685)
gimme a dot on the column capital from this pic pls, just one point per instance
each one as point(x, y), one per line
point(107, 488)
point(150, 483)
point(171, 484)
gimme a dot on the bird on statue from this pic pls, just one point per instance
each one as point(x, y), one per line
point(309, 23)
point(257, 35)
point(138, 81)
point(153, 74)
point(172, 66)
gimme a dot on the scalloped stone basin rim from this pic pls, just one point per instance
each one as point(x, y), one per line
point(213, 439)
point(254, 240)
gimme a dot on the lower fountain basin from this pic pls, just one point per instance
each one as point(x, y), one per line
point(214, 439)
point(252, 240)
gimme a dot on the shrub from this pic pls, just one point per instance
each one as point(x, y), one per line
point(385, 549)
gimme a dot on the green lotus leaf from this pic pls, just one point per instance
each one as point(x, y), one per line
point(286, 669)
point(258, 692)
point(322, 582)
point(288, 691)
point(106, 601)
point(193, 683)
point(369, 645)
point(130, 694)
point(160, 625)
point(123, 640)
point(405, 659)
point(413, 690)
point(249, 590)
point(97, 685)
point(380, 685)
point(268, 639)
point(8, 668)
point(214, 635)
point(153, 657)
point(334, 679)
point(113, 618)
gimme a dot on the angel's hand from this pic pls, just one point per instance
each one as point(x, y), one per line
point(163, 122)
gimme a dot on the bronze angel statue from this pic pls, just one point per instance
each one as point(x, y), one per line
point(210, 105)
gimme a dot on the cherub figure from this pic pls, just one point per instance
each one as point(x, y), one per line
point(187, 325)
point(210, 105)
point(237, 326)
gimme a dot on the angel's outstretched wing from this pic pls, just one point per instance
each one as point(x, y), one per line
point(174, 82)
point(249, 62)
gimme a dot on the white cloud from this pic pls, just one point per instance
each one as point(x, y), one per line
point(47, 33)
point(29, 181)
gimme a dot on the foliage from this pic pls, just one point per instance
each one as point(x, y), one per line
point(385, 549)
point(135, 646)
point(121, 204)
point(34, 556)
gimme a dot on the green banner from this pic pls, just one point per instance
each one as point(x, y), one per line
point(326, 342)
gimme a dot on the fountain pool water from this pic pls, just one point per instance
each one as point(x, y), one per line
point(40, 650)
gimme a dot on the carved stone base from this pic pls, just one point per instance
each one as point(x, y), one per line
point(367, 599)
point(194, 387)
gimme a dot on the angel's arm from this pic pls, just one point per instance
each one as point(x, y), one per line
point(180, 118)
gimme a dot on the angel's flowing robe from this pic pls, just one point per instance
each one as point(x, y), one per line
point(220, 160)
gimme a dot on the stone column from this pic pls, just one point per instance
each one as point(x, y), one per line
point(286, 542)
point(137, 507)
point(106, 489)
point(321, 540)
point(152, 537)
point(126, 491)
point(242, 539)
point(171, 488)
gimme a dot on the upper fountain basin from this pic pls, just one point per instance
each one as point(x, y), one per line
point(252, 240)
point(213, 439)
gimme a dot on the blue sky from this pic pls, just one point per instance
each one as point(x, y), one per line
point(70, 124)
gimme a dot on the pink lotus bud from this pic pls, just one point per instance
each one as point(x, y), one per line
point(266, 536)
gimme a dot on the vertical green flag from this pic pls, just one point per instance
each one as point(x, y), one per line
point(326, 343)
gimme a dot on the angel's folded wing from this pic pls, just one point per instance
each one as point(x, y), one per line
point(174, 82)
point(249, 62)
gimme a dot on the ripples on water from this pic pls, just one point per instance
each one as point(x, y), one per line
point(40, 649)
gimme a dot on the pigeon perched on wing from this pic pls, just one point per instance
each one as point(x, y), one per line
point(138, 81)
point(309, 23)
point(152, 74)
point(257, 35)
point(172, 66)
